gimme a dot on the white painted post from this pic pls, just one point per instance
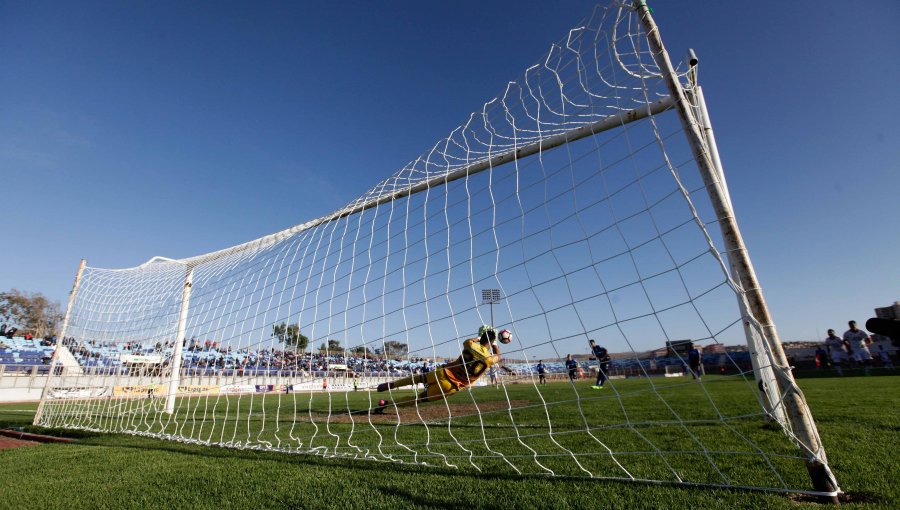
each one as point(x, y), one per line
point(762, 369)
point(59, 340)
point(799, 417)
point(175, 364)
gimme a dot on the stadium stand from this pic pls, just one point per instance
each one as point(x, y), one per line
point(18, 353)
point(203, 359)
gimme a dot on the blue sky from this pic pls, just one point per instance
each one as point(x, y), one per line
point(138, 129)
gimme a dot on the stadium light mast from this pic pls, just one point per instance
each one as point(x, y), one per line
point(489, 297)
point(799, 418)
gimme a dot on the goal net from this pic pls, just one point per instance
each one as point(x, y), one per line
point(576, 201)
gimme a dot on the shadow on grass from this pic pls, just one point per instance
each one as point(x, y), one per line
point(856, 497)
point(375, 469)
point(65, 433)
point(420, 499)
point(381, 467)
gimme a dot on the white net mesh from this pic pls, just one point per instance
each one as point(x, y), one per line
point(605, 236)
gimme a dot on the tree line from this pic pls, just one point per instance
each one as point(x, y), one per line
point(30, 312)
point(293, 339)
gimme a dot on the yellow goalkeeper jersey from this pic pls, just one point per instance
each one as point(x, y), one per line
point(474, 360)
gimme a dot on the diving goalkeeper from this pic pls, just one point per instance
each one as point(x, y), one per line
point(477, 356)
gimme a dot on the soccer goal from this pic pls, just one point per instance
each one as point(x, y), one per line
point(585, 201)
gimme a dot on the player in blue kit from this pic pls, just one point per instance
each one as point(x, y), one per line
point(603, 360)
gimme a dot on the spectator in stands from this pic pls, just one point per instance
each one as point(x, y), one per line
point(837, 350)
point(542, 372)
point(571, 367)
point(3, 329)
point(603, 360)
point(29, 336)
point(859, 342)
point(11, 332)
point(694, 358)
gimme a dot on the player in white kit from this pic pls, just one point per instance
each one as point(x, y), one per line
point(859, 342)
point(837, 351)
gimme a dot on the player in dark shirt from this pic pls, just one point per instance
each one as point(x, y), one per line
point(572, 367)
point(603, 360)
point(694, 362)
point(542, 371)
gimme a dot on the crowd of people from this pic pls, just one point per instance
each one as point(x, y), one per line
point(211, 355)
point(853, 349)
point(850, 350)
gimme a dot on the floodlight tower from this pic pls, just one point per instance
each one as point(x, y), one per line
point(489, 297)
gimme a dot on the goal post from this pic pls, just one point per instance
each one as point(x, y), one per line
point(762, 368)
point(54, 359)
point(589, 194)
point(801, 422)
point(175, 362)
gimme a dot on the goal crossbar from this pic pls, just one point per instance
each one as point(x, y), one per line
point(605, 124)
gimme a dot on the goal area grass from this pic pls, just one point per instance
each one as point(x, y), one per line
point(858, 419)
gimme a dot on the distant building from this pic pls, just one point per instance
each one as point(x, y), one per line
point(714, 349)
point(889, 312)
point(679, 347)
point(661, 353)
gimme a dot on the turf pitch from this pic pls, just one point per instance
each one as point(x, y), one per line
point(858, 419)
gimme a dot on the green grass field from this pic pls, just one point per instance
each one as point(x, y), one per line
point(708, 434)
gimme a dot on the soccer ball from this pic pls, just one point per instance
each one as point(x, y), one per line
point(505, 336)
